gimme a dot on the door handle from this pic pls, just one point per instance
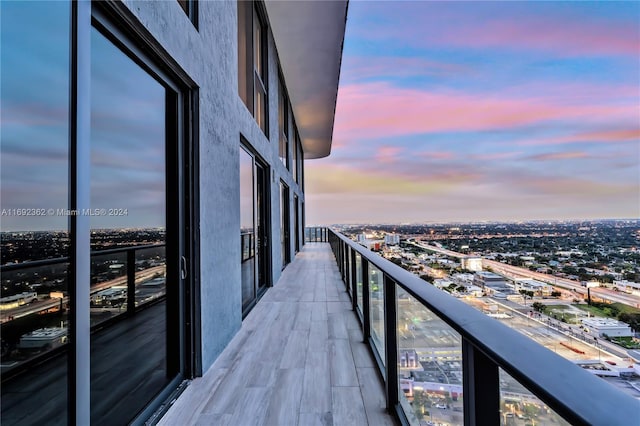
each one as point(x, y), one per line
point(183, 267)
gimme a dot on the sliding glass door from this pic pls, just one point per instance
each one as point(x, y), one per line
point(108, 346)
point(285, 224)
point(254, 228)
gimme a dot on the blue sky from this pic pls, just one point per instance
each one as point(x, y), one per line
point(447, 111)
point(466, 111)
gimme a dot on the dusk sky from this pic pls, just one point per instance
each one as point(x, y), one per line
point(471, 111)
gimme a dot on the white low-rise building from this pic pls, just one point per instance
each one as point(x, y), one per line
point(471, 263)
point(627, 286)
point(538, 287)
point(599, 327)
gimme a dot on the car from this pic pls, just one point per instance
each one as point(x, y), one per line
point(443, 406)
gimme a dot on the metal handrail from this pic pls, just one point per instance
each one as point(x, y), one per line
point(574, 394)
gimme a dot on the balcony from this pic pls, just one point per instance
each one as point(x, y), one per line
point(299, 358)
point(325, 346)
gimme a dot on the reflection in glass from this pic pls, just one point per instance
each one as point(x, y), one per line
point(284, 223)
point(129, 362)
point(519, 406)
point(150, 275)
point(429, 365)
point(294, 159)
point(108, 286)
point(247, 228)
point(34, 163)
point(376, 307)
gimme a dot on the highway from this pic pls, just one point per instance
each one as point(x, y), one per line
point(34, 308)
point(564, 283)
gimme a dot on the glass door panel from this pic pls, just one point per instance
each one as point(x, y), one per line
point(132, 359)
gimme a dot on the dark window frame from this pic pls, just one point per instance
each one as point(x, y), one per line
point(285, 223)
point(254, 80)
point(284, 111)
point(117, 23)
point(190, 8)
point(300, 177)
point(265, 253)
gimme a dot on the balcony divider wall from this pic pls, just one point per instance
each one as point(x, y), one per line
point(484, 346)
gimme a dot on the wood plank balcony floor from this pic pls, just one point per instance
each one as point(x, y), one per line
point(298, 359)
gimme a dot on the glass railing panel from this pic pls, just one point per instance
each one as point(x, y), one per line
point(347, 276)
point(345, 264)
point(519, 407)
point(151, 269)
point(376, 309)
point(429, 365)
point(359, 289)
point(108, 291)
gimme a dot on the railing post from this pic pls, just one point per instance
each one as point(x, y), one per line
point(131, 281)
point(391, 343)
point(481, 387)
point(366, 323)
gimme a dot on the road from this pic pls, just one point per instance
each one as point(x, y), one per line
point(34, 308)
point(518, 272)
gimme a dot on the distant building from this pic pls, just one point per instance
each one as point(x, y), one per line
point(537, 287)
point(409, 359)
point(13, 301)
point(489, 279)
point(392, 239)
point(472, 263)
point(43, 338)
point(442, 283)
point(474, 291)
point(462, 279)
point(599, 327)
point(627, 286)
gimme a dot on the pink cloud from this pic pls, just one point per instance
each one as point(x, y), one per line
point(559, 156)
point(437, 155)
point(549, 34)
point(387, 154)
point(376, 110)
point(363, 67)
point(496, 156)
point(599, 136)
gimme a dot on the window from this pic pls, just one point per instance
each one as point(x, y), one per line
point(283, 125)
point(294, 148)
point(252, 64)
point(285, 224)
point(300, 176)
point(123, 187)
point(34, 174)
point(190, 7)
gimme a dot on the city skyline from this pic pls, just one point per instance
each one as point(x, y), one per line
point(456, 112)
